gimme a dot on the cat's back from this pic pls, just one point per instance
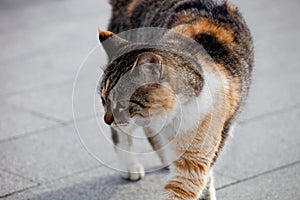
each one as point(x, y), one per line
point(130, 14)
point(215, 24)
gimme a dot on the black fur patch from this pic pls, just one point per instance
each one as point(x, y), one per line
point(220, 53)
point(213, 47)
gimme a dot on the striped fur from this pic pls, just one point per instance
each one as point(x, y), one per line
point(218, 78)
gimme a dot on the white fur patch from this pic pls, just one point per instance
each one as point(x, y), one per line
point(192, 113)
point(187, 115)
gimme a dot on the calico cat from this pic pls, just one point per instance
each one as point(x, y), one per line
point(206, 86)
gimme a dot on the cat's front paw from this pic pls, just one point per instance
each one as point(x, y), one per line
point(134, 172)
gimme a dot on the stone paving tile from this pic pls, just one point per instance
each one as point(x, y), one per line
point(240, 159)
point(98, 184)
point(279, 185)
point(275, 82)
point(59, 106)
point(96, 137)
point(104, 184)
point(61, 39)
point(262, 145)
point(11, 183)
point(15, 122)
point(51, 65)
point(58, 37)
point(46, 156)
point(97, 140)
point(59, 152)
point(35, 13)
point(57, 101)
point(273, 91)
point(221, 181)
point(93, 184)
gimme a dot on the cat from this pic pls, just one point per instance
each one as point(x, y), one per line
point(191, 96)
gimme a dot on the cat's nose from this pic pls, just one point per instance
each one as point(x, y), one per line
point(108, 118)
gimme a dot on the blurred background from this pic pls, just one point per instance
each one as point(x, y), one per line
point(45, 154)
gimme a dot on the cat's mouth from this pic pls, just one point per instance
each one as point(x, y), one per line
point(117, 124)
point(136, 120)
point(122, 122)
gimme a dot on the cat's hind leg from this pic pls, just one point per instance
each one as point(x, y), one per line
point(129, 166)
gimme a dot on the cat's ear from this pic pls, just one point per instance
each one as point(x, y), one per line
point(150, 65)
point(111, 42)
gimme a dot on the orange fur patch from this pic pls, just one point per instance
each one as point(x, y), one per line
point(231, 90)
point(193, 166)
point(184, 18)
point(206, 26)
point(131, 7)
point(104, 34)
point(177, 188)
point(104, 90)
point(231, 8)
point(162, 96)
point(189, 165)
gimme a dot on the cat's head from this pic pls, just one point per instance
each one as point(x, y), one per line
point(143, 83)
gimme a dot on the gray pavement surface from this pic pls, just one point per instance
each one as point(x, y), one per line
point(44, 154)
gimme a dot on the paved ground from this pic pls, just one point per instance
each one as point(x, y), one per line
point(41, 155)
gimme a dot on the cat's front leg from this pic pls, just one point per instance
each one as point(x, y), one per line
point(129, 166)
point(189, 179)
point(209, 193)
